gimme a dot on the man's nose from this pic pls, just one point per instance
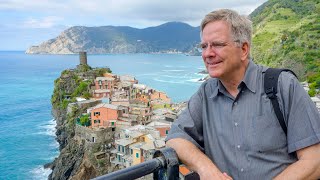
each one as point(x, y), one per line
point(208, 52)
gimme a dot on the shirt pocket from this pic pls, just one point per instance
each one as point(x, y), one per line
point(267, 134)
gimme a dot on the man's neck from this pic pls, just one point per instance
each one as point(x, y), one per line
point(232, 82)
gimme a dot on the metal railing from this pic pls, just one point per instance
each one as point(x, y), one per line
point(164, 166)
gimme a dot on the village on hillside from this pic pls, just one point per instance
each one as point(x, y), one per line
point(131, 120)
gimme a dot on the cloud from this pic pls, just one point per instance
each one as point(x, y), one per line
point(126, 12)
point(29, 22)
point(46, 22)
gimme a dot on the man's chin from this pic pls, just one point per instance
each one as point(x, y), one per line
point(213, 75)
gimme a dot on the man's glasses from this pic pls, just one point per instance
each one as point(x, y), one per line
point(216, 45)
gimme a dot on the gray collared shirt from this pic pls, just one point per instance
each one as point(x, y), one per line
point(242, 135)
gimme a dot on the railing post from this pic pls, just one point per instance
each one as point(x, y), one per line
point(170, 170)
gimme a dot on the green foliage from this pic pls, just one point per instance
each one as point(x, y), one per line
point(286, 34)
point(84, 120)
point(83, 68)
point(81, 89)
point(87, 95)
point(312, 92)
point(55, 98)
point(76, 79)
point(71, 117)
point(65, 103)
point(101, 162)
point(65, 72)
point(160, 106)
point(100, 71)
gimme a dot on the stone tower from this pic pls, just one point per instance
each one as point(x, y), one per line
point(83, 58)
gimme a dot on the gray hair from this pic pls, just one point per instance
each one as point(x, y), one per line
point(241, 26)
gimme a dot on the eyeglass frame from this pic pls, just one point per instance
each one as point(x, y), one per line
point(214, 45)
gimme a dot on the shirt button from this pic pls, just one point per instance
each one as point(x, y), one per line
point(238, 146)
point(241, 169)
point(236, 124)
point(235, 103)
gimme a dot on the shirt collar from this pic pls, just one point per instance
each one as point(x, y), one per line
point(250, 77)
point(250, 80)
point(217, 88)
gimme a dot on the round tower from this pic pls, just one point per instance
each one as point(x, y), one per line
point(83, 58)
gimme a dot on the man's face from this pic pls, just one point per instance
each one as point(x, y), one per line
point(221, 55)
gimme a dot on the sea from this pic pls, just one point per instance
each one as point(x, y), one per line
point(27, 128)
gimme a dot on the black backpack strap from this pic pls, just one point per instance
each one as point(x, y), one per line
point(271, 88)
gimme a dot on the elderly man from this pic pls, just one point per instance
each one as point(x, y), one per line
point(229, 129)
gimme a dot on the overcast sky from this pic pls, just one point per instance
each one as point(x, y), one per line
point(25, 23)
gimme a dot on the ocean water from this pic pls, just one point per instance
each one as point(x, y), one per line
point(27, 133)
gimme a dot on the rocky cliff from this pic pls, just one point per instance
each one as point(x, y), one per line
point(79, 157)
point(76, 159)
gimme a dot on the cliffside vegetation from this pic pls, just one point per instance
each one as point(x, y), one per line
point(75, 83)
point(286, 34)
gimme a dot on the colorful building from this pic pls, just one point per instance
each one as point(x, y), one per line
point(157, 95)
point(104, 115)
point(103, 87)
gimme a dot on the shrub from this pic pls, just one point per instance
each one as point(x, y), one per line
point(84, 120)
point(312, 92)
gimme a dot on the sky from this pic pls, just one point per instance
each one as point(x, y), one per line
point(26, 23)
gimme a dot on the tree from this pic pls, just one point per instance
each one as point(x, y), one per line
point(84, 120)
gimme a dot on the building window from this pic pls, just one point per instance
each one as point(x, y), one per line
point(119, 148)
point(131, 151)
point(96, 113)
point(137, 155)
point(122, 148)
point(112, 123)
point(96, 121)
point(167, 131)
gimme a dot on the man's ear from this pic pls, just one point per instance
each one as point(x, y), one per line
point(245, 50)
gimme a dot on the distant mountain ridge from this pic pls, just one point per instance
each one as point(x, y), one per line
point(170, 37)
point(286, 34)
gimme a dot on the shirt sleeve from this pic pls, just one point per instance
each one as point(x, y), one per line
point(301, 114)
point(188, 126)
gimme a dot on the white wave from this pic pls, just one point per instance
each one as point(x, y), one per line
point(194, 80)
point(148, 74)
point(168, 81)
point(173, 70)
point(40, 173)
point(173, 76)
point(200, 74)
point(48, 129)
point(54, 144)
point(201, 68)
point(168, 66)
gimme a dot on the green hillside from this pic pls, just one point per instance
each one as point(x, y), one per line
point(286, 34)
